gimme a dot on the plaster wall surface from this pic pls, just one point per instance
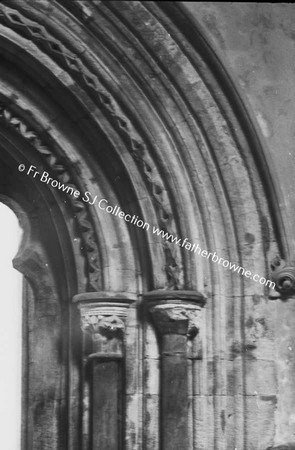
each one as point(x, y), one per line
point(256, 43)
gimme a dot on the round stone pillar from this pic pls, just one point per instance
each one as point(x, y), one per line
point(176, 316)
point(103, 317)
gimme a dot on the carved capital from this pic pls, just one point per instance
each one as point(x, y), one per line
point(171, 318)
point(110, 326)
point(103, 317)
point(176, 312)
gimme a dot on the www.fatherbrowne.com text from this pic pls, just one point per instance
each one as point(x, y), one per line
point(213, 256)
point(104, 205)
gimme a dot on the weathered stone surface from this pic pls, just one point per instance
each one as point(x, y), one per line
point(129, 102)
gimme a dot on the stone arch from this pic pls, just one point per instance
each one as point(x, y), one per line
point(137, 110)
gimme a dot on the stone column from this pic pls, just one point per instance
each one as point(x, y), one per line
point(176, 315)
point(103, 318)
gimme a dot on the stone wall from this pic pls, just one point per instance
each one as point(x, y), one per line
point(255, 42)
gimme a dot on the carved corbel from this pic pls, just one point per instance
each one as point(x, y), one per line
point(283, 276)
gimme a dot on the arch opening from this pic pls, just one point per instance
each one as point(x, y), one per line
point(10, 332)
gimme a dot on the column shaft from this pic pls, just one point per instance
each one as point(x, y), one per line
point(106, 405)
point(103, 316)
point(176, 315)
point(174, 387)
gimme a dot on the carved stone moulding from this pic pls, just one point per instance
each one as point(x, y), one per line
point(88, 79)
point(103, 316)
point(176, 312)
point(63, 173)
